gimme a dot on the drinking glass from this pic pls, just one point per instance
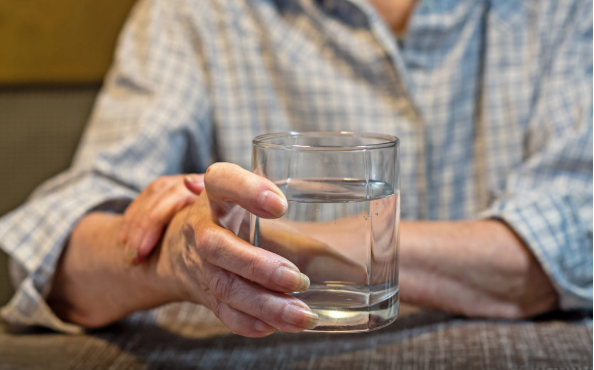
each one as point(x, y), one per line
point(341, 226)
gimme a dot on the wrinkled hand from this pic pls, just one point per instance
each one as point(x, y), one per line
point(148, 215)
point(243, 285)
point(301, 243)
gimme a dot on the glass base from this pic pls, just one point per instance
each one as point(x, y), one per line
point(357, 319)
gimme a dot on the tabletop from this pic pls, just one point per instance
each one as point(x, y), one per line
point(185, 336)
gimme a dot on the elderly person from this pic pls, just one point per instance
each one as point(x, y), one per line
point(492, 101)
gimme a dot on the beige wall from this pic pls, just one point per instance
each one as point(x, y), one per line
point(58, 40)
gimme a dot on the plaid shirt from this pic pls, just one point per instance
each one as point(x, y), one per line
point(492, 101)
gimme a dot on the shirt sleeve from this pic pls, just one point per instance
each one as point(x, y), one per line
point(151, 119)
point(548, 199)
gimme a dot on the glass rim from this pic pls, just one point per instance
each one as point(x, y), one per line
point(388, 141)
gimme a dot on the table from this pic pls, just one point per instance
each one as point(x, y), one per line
point(185, 336)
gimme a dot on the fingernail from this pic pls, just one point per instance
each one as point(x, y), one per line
point(288, 278)
point(272, 203)
point(260, 325)
point(299, 316)
point(190, 179)
point(145, 244)
point(130, 254)
point(304, 284)
point(135, 238)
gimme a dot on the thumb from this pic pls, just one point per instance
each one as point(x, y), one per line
point(228, 184)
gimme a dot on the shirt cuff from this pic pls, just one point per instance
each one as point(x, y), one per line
point(558, 231)
point(34, 237)
point(27, 307)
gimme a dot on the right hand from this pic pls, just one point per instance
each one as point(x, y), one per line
point(243, 285)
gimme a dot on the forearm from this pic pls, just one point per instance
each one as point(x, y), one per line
point(476, 268)
point(93, 286)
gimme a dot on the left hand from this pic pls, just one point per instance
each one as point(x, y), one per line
point(476, 268)
point(148, 215)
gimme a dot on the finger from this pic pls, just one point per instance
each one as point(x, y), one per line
point(228, 184)
point(224, 249)
point(130, 233)
point(243, 324)
point(150, 212)
point(194, 183)
point(158, 213)
point(278, 310)
point(128, 215)
point(125, 236)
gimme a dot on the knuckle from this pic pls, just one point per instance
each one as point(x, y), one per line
point(217, 307)
point(222, 285)
point(264, 305)
point(159, 184)
point(216, 172)
point(143, 224)
point(147, 219)
point(254, 267)
point(212, 173)
point(210, 242)
point(152, 218)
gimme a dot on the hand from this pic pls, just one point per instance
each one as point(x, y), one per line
point(243, 285)
point(147, 216)
point(475, 268)
point(301, 243)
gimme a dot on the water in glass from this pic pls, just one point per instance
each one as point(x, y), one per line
point(342, 233)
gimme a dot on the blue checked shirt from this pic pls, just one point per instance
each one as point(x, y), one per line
point(492, 101)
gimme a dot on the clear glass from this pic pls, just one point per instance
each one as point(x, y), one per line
point(341, 227)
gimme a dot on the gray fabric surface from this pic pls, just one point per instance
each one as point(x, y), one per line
point(183, 336)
